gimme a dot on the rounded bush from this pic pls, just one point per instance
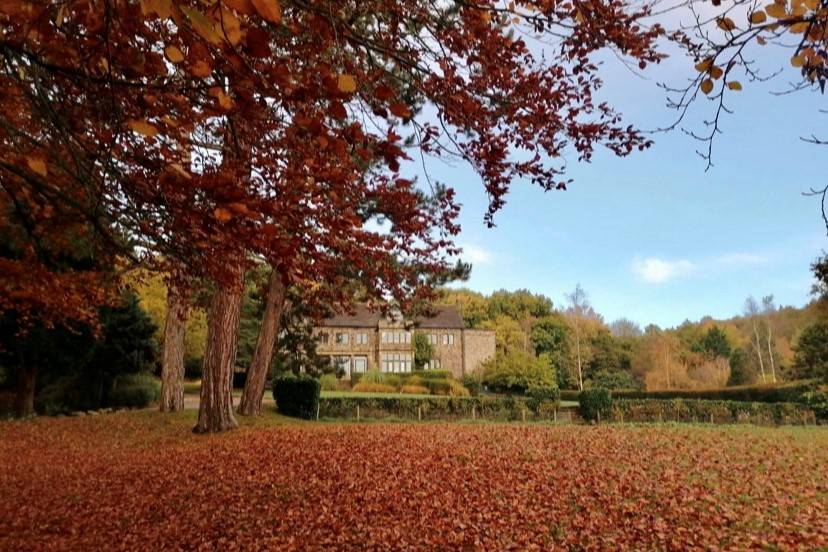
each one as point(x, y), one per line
point(595, 403)
point(363, 387)
point(296, 396)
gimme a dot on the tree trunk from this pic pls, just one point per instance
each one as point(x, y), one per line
point(215, 412)
point(759, 352)
point(770, 355)
point(25, 392)
point(251, 399)
point(578, 350)
point(172, 363)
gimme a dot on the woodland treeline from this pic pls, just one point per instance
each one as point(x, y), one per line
point(201, 140)
point(767, 343)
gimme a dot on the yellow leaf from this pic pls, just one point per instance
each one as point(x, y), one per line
point(142, 127)
point(777, 11)
point(270, 10)
point(174, 54)
point(798, 61)
point(37, 165)
point(758, 17)
point(705, 65)
point(799, 28)
point(224, 100)
point(202, 25)
point(734, 85)
point(726, 23)
point(707, 86)
point(346, 83)
point(230, 26)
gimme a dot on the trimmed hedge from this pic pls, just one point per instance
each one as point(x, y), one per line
point(594, 404)
point(134, 391)
point(767, 393)
point(503, 408)
point(543, 401)
point(296, 396)
point(717, 412)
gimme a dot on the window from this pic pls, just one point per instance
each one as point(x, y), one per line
point(396, 337)
point(323, 337)
point(362, 339)
point(360, 364)
point(343, 363)
point(432, 339)
point(433, 364)
point(448, 339)
point(341, 338)
point(396, 362)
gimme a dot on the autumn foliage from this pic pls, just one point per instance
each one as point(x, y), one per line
point(424, 486)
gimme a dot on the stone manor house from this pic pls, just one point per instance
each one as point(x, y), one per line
point(368, 340)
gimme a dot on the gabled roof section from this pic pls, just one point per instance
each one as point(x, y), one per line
point(445, 316)
point(363, 317)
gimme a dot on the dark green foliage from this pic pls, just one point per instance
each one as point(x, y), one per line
point(296, 396)
point(817, 400)
point(607, 355)
point(423, 350)
point(77, 369)
point(617, 379)
point(550, 337)
point(519, 305)
point(433, 374)
point(715, 343)
point(768, 393)
point(473, 383)
point(543, 400)
point(595, 404)
point(820, 270)
point(239, 378)
point(135, 391)
point(193, 367)
point(704, 411)
point(740, 369)
point(811, 358)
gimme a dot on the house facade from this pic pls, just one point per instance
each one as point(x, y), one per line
point(367, 340)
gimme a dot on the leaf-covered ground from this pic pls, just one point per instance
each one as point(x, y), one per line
point(143, 481)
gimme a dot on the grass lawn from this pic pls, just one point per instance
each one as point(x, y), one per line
point(142, 480)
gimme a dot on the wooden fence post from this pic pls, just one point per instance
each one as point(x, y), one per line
point(419, 413)
point(357, 411)
point(555, 415)
point(317, 412)
point(474, 412)
point(523, 414)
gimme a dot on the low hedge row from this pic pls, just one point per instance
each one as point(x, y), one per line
point(704, 411)
point(768, 393)
point(506, 408)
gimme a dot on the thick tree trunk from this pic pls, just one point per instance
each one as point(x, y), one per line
point(25, 392)
point(215, 411)
point(172, 363)
point(251, 399)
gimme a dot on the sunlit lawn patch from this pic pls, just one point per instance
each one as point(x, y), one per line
point(142, 480)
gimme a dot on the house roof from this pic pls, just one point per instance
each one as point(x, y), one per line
point(445, 316)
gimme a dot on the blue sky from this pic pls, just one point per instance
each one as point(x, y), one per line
point(653, 237)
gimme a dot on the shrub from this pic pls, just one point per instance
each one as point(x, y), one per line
point(392, 380)
point(414, 380)
point(697, 410)
point(594, 404)
point(193, 367)
point(414, 390)
point(296, 396)
point(432, 374)
point(456, 389)
point(328, 382)
point(543, 400)
point(517, 371)
point(371, 376)
point(774, 392)
point(439, 386)
point(435, 408)
point(473, 383)
point(134, 391)
point(364, 387)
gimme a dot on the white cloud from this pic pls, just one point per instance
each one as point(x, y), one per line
point(658, 271)
point(476, 255)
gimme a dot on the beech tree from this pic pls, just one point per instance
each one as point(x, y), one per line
point(208, 134)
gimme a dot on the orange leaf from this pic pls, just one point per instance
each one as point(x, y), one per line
point(758, 17)
point(222, 214)
point(174, 54)
point(37, 165)
point(707, 86)
point(270, 10)
point(142, 127)
point(400, 109)
point(346, 83)
point(776, 10)
point(798, 61)
point(734, 85)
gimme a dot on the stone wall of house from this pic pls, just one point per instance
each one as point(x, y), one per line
point(480, 347)
point(449, 354)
